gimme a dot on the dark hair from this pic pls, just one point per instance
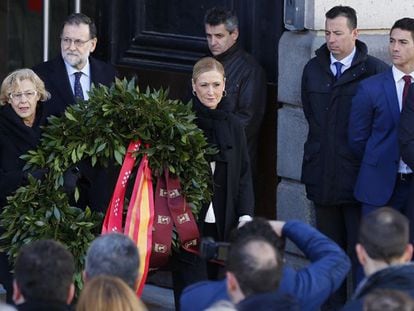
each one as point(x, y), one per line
point(259, 227)
point(405, 23)
point(44, 271)
point(345, 11)
point(256, 264)
point(216, 16)
point(79, 18)
point(113, 254)
point(384, 234)
point(388, 300)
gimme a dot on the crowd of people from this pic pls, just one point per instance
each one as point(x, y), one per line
point(356, 169)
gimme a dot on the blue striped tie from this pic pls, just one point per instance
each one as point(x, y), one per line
point(77, 86)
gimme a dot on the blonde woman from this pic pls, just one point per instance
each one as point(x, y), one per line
point(108, 293)
point(21, 115)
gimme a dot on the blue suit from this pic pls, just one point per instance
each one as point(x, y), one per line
point(373, 137)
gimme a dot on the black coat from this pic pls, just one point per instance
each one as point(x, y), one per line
point(246, 93)
point(16, 139)
point(398, 277)
point(329, 168)
point(97, 183)
point(233, 190)
point(54, 75)
point(406, 141)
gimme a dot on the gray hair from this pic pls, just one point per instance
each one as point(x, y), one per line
point(113, 254)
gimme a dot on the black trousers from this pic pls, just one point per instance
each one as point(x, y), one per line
point(341, 223)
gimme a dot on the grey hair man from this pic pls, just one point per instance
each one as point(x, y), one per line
point(113, 254)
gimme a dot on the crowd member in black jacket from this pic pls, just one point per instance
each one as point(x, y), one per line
point(246, 80)
point(21, 116)
point(329, 168)
point(385, 254)
point(44, 274)
point(233, 198)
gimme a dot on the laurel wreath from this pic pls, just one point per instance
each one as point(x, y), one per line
point(100, 129)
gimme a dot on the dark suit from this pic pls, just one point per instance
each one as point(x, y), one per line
point(97, 184)
point(373, 137)
point(54, 75)
point(406, 138)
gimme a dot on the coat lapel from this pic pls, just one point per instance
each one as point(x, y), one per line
point(391, 96)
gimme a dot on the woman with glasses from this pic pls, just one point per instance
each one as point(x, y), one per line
point(21, 115)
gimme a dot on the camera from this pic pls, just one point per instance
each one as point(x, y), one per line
point(212, 250)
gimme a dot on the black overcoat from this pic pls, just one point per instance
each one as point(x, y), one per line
point(232, 187)
point(329, 168)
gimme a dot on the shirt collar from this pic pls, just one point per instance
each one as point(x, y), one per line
point(85, 70)
point(347, 61)
point(398, 74)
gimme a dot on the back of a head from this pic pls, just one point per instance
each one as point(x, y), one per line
point(256, 264)
point(388, 300)
point(79, 18)
point(406, 24)
point(384, 234)
point(113, 254)
point(217, 16)
point(344, 11)
point(44, 271)
point(108, 293)
point(259, 227)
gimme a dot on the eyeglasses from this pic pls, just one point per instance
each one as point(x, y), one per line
point(67, 42)
point(19, 96)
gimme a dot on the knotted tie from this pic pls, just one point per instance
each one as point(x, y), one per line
point(338, 66)
point(77, 86)
point(407, 83)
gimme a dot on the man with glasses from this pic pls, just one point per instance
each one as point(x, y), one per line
point(69, 78)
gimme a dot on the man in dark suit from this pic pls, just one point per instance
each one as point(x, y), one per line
point(68, 78)
point(384, 178)
point(329, 168)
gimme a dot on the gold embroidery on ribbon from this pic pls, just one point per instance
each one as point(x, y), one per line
point(160, 248)
point(163, 220)
point(183, 218)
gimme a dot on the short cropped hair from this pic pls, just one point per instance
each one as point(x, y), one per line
point(206, 64)
point(113, 254)
point(79, 18)
point(217, 16)
point(384, 234)
point(259, 227)
point(388, 300)
point(256, 264)
point(13, 80)
point(44, 271)
point(345, 11)
point(108, 293)
point(405, 23)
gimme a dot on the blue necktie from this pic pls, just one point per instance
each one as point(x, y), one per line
point(77, 86)
point(338, 66)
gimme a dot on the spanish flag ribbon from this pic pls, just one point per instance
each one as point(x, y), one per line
point(140, 214)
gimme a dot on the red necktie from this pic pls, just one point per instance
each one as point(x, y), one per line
point(407, 83)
